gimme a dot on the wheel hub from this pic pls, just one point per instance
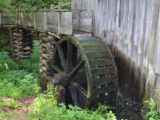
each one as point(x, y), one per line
point(61, 79)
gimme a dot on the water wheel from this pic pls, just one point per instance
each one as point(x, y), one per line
point(86, 69)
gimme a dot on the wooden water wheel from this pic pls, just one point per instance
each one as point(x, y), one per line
point(86, 69)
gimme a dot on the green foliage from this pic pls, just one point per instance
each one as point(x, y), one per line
point(102, 109)
point(152, 113)
point(7, 49)
point(72, 113)
point(19, 79)
point(28, 4)
point(17, 83)
point(30, 65)
point(6, 59)
point(45, 108)
point(3, 42)
point(55, 2)
point(10, 103)
point(2, 114)
point(10, 5)
point(44, 100)
point(6, 5)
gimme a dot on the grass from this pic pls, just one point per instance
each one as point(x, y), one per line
point(19, 79)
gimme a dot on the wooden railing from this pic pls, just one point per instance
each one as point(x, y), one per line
point(55, 20)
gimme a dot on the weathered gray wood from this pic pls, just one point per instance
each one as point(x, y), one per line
point(76, 17)
point(99, 63)
point(86, 21)
point(97, 54)
point(82, 20)
point(94, 47)
point(66, 23)
point(31, 19)
point(105, 80)
point(53, 21)
point(8, 18)
point(102, 71)
point(20, 18)
point(40, 20)
point(77, 5)
point(90, 42)
point(103, 90)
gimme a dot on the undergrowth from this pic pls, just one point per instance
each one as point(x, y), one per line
point(151, 110)
point(72, 113)
point(45, 107)
point(19, 79)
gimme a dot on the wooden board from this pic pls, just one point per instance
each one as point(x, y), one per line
point(53, 21)
point(40, 22)
point(66, 23)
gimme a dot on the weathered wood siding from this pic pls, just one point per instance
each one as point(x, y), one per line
point(132, 29)
point(82, 17)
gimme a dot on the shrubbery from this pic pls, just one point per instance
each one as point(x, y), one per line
point(152, 113)
point(19, 79)
point(45, 108)
point(10, 5)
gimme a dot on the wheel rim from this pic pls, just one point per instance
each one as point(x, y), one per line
point(69, 59)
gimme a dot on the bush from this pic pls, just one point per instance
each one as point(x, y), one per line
point(6, 59)
point(152, 113)
point(19, 79)
point(72, 113)
point(44, 100)
point(45, 108)
point(17, 83)
point(10, 103)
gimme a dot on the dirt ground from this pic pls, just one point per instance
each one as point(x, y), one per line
point(20, 112)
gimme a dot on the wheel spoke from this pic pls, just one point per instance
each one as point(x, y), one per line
point(73, 92)
point(69, 56)
point(79, 88)
point(62, 58)
point(57, 69)
point(76, 68)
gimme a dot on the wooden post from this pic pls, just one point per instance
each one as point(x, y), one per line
point(52, 7)
point(59, 6)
